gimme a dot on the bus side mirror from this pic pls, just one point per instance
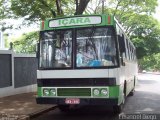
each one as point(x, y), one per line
point(37, 50)
point(121, 43)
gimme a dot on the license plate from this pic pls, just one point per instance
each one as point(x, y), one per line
point(72, 101)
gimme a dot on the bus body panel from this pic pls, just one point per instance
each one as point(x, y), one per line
point(85, 73)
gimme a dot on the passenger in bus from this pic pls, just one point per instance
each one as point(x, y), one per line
point(61, 59)
point(79, 59)
point(84, 58)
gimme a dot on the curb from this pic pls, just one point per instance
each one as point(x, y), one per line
point(13, 117)
point(25, 117)
point(37, 113)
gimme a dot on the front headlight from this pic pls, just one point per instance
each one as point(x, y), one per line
point(46, 92)
point(96, 92)
point(52, 92)
point(104, 92)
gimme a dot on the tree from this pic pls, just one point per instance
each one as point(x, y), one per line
point(81, 6)
point(26, 43)
point(34, 11)
point(138, 23)
point(145, 35)
point(42, 9)
point(151, 63)
point(143, 29)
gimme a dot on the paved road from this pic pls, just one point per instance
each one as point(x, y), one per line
point(145, 101)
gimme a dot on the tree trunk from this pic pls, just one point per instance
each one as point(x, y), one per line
point(59, 7)
point(81, 6)
point(47, 6)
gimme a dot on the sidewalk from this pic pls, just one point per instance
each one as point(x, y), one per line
point(21, 107)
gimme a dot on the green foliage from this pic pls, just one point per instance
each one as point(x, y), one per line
point(26, 43)
point(145, 35)
point(151, 63)
point(32, 10)
point(41, 9)
point(143, 29)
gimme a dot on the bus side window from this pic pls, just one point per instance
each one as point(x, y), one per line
point(122, 48)
point(121, 44)
point(130, 51)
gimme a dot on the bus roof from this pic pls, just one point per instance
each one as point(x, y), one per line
point(77, 21)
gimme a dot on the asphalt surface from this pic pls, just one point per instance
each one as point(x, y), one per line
point(145, 104)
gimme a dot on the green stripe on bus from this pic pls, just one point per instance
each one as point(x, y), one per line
point(39, 92)
point(114, 92)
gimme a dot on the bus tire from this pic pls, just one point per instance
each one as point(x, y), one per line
point(117, 109)
point(133, 90)
point(64, 108)
point(132, 93)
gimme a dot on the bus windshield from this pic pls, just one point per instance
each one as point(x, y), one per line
point(96, 47)
point(91, 47)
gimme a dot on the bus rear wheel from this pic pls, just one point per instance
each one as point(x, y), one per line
point(133, 90)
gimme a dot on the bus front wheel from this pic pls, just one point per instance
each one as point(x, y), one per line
point(117, 109)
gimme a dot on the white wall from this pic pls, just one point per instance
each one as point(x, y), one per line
point(7, 91)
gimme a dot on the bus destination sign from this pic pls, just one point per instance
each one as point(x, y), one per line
point(75, 21)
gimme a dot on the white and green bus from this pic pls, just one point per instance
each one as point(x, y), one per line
point(85, 60)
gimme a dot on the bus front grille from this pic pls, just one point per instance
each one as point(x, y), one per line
point(76, 82)
point(73, 91)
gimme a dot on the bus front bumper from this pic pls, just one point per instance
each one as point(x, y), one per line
point(83, 101)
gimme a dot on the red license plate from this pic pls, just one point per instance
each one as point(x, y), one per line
point(72, 101)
